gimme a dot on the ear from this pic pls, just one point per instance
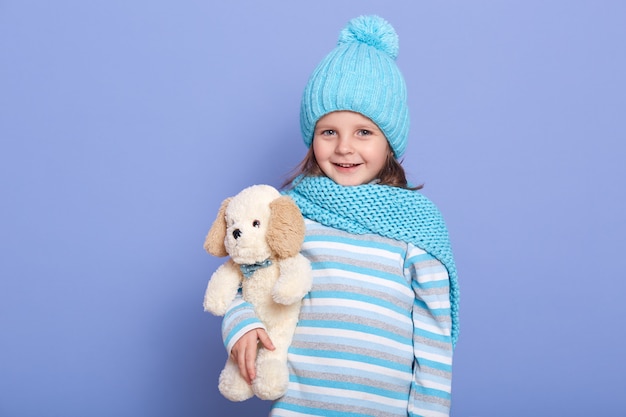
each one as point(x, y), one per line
point(285, 231)
point(214, 242)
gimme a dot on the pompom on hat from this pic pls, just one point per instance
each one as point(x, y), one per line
point(360, 75)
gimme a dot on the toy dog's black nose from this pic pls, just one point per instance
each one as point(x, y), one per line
point(236, 233)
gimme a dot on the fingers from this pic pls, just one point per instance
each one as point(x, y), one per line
point(244, 352)
point(250, 361)
point(240, 357)
point(265, 339)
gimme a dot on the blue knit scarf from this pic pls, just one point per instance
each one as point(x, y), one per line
point(391, 212)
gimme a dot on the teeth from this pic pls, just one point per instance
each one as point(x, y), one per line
point(347, 165)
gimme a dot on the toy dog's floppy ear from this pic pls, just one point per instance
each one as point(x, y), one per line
point(214, 242)
point(285, 231)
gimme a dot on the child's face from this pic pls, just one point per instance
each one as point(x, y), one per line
point(349, 148)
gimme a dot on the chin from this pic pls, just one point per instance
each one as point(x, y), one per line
point(348, 182)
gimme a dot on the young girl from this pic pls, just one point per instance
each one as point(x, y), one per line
point(376, 333)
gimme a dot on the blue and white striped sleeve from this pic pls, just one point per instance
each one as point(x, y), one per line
point(238, 320)
point(432, 342)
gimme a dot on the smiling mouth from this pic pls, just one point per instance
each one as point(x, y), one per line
point(346, 165)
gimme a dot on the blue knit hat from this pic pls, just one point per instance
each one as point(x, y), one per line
point(360, 75)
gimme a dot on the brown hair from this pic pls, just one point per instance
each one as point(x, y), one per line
point(391, 174)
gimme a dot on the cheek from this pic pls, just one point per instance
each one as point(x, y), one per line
point(321, 152)
point(378, 151)
point(318, 149)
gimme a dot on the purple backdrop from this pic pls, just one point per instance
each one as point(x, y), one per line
point(125, 124)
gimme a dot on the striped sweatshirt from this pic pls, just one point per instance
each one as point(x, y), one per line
point(374, 334)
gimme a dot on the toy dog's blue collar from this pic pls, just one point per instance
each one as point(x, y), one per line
point(248, 269)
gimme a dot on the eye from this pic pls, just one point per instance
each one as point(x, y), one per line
point(256, 223)
point(365, 132)
point(328, 132)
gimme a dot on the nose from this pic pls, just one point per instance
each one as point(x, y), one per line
point(344, 146)
point(236, 233)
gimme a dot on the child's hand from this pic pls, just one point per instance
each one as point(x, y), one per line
point(244, 352)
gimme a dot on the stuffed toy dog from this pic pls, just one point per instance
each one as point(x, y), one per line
point(262, 232)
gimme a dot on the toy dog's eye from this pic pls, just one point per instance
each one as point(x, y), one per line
point(256, 223)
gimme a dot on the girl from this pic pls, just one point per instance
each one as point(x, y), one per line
point(376, 333)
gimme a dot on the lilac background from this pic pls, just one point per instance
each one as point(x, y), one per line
point(124, 124)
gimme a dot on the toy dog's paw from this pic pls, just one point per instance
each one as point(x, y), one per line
point(284, 295)
point(215, 306)
point(271, 381)
point(294, 282)
point(222, 288)
point(233, 387)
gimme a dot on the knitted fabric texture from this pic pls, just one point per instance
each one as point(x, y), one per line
point(391, 212)
point(360, 75)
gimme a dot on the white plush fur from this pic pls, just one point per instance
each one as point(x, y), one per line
point(257, 224)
